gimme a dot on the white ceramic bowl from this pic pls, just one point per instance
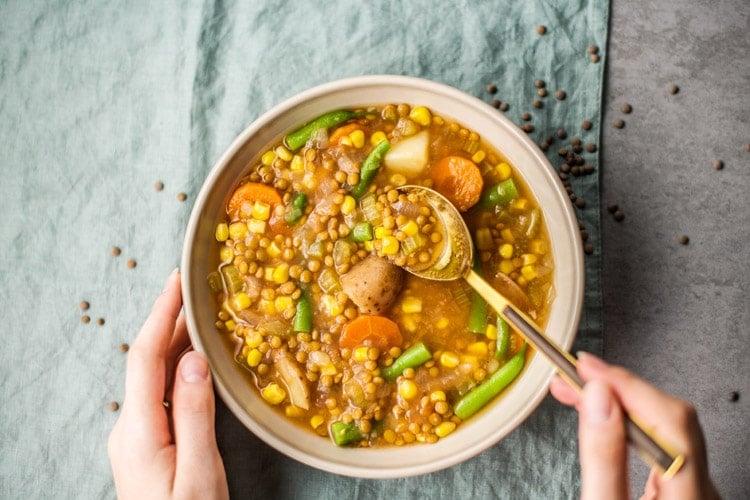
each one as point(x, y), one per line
point(482, 430)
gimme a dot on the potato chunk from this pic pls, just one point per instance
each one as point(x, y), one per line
point(373, 284)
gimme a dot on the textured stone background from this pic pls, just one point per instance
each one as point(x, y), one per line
point(678, 315)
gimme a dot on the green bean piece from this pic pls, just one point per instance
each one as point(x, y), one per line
point(343, 433)
point(232, 278)
point(413, 357)
point(296, 209)
point(499, 194)
point(484, 392)
point(370, 168)
point(362, 231)
point(299, 137)
point(479, 310)
point(503, 339)
point(303, 318)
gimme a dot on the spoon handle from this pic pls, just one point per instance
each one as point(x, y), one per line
point(643, 440)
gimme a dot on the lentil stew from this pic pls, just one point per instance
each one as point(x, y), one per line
point(310, 291)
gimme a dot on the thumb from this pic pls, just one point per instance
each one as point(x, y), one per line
point(602, 443)
point(193, 414)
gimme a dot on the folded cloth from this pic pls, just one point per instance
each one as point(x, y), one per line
point(103, 101)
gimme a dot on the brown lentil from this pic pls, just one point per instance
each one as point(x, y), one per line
point(181, 196)
point(594, 58)
point(541, 30)
point(85, 319)
point(504, 106)
point(580, 202)
point(115, 251)
point(626, 108)
point(588, 248)
point(84, 305)
point(542, 92)
point(525, 116)
point(537, 103)
point(562, 133)
point(528, 128)
point(113, 406)
point(619, 215)
point(718, 164)
point(734, 396)
point(124, 347)
point(619, 123)
point(560, 95)
point(100, 321)
point(159, 185)
point(683, 239)
point(492, 88)
point(591, 147)
point(612, 208)
point(586, 125)
point(673, 89)
point(496, 103)
point(592, 49)
point(132, 263)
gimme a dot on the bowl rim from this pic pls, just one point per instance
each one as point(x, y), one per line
point(369, 81)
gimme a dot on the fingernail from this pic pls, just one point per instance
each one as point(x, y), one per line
point(193, 368)
point(591, 360)
point(596, 402)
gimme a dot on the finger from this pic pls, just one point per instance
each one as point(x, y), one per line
point(193, 415)
point(602, 443)
point(179, 346)
point(146, 368)
point(563, 392)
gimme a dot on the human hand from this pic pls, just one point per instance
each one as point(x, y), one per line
point(159, 452)
point(608, 393)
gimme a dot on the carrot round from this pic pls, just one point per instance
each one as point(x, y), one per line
point(377, 331)
point(342, 132)
point(250, 193)
point(458, 179)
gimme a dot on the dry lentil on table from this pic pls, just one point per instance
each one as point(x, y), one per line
point(626, 108)
point(115, 251)
point(266, 264)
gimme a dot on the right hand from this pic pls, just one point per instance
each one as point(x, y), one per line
point(611, 391)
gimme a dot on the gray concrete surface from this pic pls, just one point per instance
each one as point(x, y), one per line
point(678, 314)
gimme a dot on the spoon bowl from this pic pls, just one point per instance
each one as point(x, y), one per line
point(454, 261)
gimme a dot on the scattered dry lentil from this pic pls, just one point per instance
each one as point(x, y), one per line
point(537, 103)
point(504, 106)
point(116, 251)
point(181, 196)
point(592, 49)
point(560, 95)
point(159, 185)
point(580, 202)
point(85, 319)
point(562, 133)
point(542, 92)
point(124, 347)
point(539, 84)
point(588, 248)
point(492, 88)
point(612, 208)
point(594, 58)
point(100, 321)
point(673, 89)
point(496, 103)
point(541, 30)
point(525, 116)
point(734, 396)
point(113, 406)
point(586, 125)
point(683, 239)
point(131, 264)
point(626, 108)
point(84, 305)
point(718, 164)
point(528, 128)
point(619, 215)
point(619, 123)
point(591, 147)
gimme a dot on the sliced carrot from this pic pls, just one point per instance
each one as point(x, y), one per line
point(250, 193)
point(458, 179)
point(377, 331)
point(342, 132)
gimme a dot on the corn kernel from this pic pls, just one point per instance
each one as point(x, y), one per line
point(273, 393)
point(267, 306)
point(421, 115)
point(283, 153)
point(292, 411)
point(267, 158)
point(491, 331)
point(506, 250)
point(506, 266)
point(240, 301)
point(237, 230)
point(477, 348)
point(410, 323)
point(360, 354)
point(442, 323)
point(528, 272)
point(390, 245)
point(346, 141)
point(297, 163)
point(333, 306)
point(316, 421)
point(273, 250)
point(469, 359)
point(348, 205)
point(377, 138)
point(268, 273)
point(410, 228)
point(256, 226)
point(538, 247)
point(449, 359)
point(222, 231)
point(381, 232)
point(437, 396)
point(230, 325)
point(445, 428)
point(280, 273)
point(253, 358)
point(483, 238)
point(407, 389)
point(507, 235)
point(478, 156)
point(369, 246)
point(329, 369)
point(503, 171)
point(358, 138)
point(283, 302)
point(261, 211)
point(226, 254)
point(253, 338)
point(528, 259)
point(411, 305)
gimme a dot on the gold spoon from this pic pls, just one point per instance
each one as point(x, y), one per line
point(455, 262)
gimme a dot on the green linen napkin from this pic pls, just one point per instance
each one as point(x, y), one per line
point(100, 101)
